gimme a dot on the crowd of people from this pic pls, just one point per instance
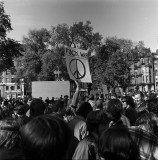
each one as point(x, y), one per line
point(81, 128)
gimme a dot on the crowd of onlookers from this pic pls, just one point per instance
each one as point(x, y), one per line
point(81, 128)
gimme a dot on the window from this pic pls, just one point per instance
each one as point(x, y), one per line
point(7, 72)
point(13, 80)
point(143, 70)
point(7, 80)
point(146, 69)
point(147, 79)
point(143, 79)
point(13, 71)
point(7, 87)
point(12, 87)
point(18, 86)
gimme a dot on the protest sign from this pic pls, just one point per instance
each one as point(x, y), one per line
point(77, 64)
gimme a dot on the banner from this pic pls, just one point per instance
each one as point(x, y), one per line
point(77, 64)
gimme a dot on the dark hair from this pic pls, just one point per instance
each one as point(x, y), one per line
point(152, 105)
point(91, 97)
point(115, 108)
point(37, 107)
point(129, 100)
point(95, 120)
point(84, 109)
point(148, 120)
point(99, 104)
point(20, 110)
point(58, 106)
point(45, 137)
point(9, 134)
point(117, 144)
point(5, 102)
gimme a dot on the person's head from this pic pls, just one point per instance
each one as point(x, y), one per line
point(152, 105)
point(148, 121)
point(114, 109)
point(47, 100)
point(117, 144)
point(4, 113)
point(81, 100)
point(91, 97)
point(45, 137)
point(9, 134)
point(99, 104)
point(128, 101)
point(138, 97)
point(29, 101)
point(19, 110)
point(37, 107)
point(25, 100)
point(5, 103)
point(84, 109)
point(58, 105)
point(97, 121)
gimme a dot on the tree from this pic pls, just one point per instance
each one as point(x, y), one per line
point(44, 50)
point(79, 35)
point(112, 63)
point(5, 24)
point(36, 44)
point(9, 48)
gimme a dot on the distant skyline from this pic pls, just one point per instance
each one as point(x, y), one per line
point(136, 20)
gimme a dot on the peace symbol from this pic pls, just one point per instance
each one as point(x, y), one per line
point(77, 68)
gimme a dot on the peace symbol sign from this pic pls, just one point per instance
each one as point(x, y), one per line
point(77, 68)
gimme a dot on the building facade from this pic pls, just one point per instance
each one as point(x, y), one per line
point(8, 87)
point(156, 70)
point(142, 72)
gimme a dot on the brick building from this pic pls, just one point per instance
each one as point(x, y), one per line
point(8, 87)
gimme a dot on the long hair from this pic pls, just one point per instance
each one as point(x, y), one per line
point(149, 122)
point(129, 100)
point(45, 137)
point(117, 144)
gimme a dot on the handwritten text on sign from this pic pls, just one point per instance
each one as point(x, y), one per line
point(77, 64)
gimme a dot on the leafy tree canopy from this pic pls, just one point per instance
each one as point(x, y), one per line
point(44, 50)
point(115, 58)
point(9, 48)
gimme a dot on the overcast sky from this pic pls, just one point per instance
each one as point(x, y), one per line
point(132, 19)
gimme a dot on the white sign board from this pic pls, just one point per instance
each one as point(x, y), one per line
point(50, 89)
point(77, 64)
